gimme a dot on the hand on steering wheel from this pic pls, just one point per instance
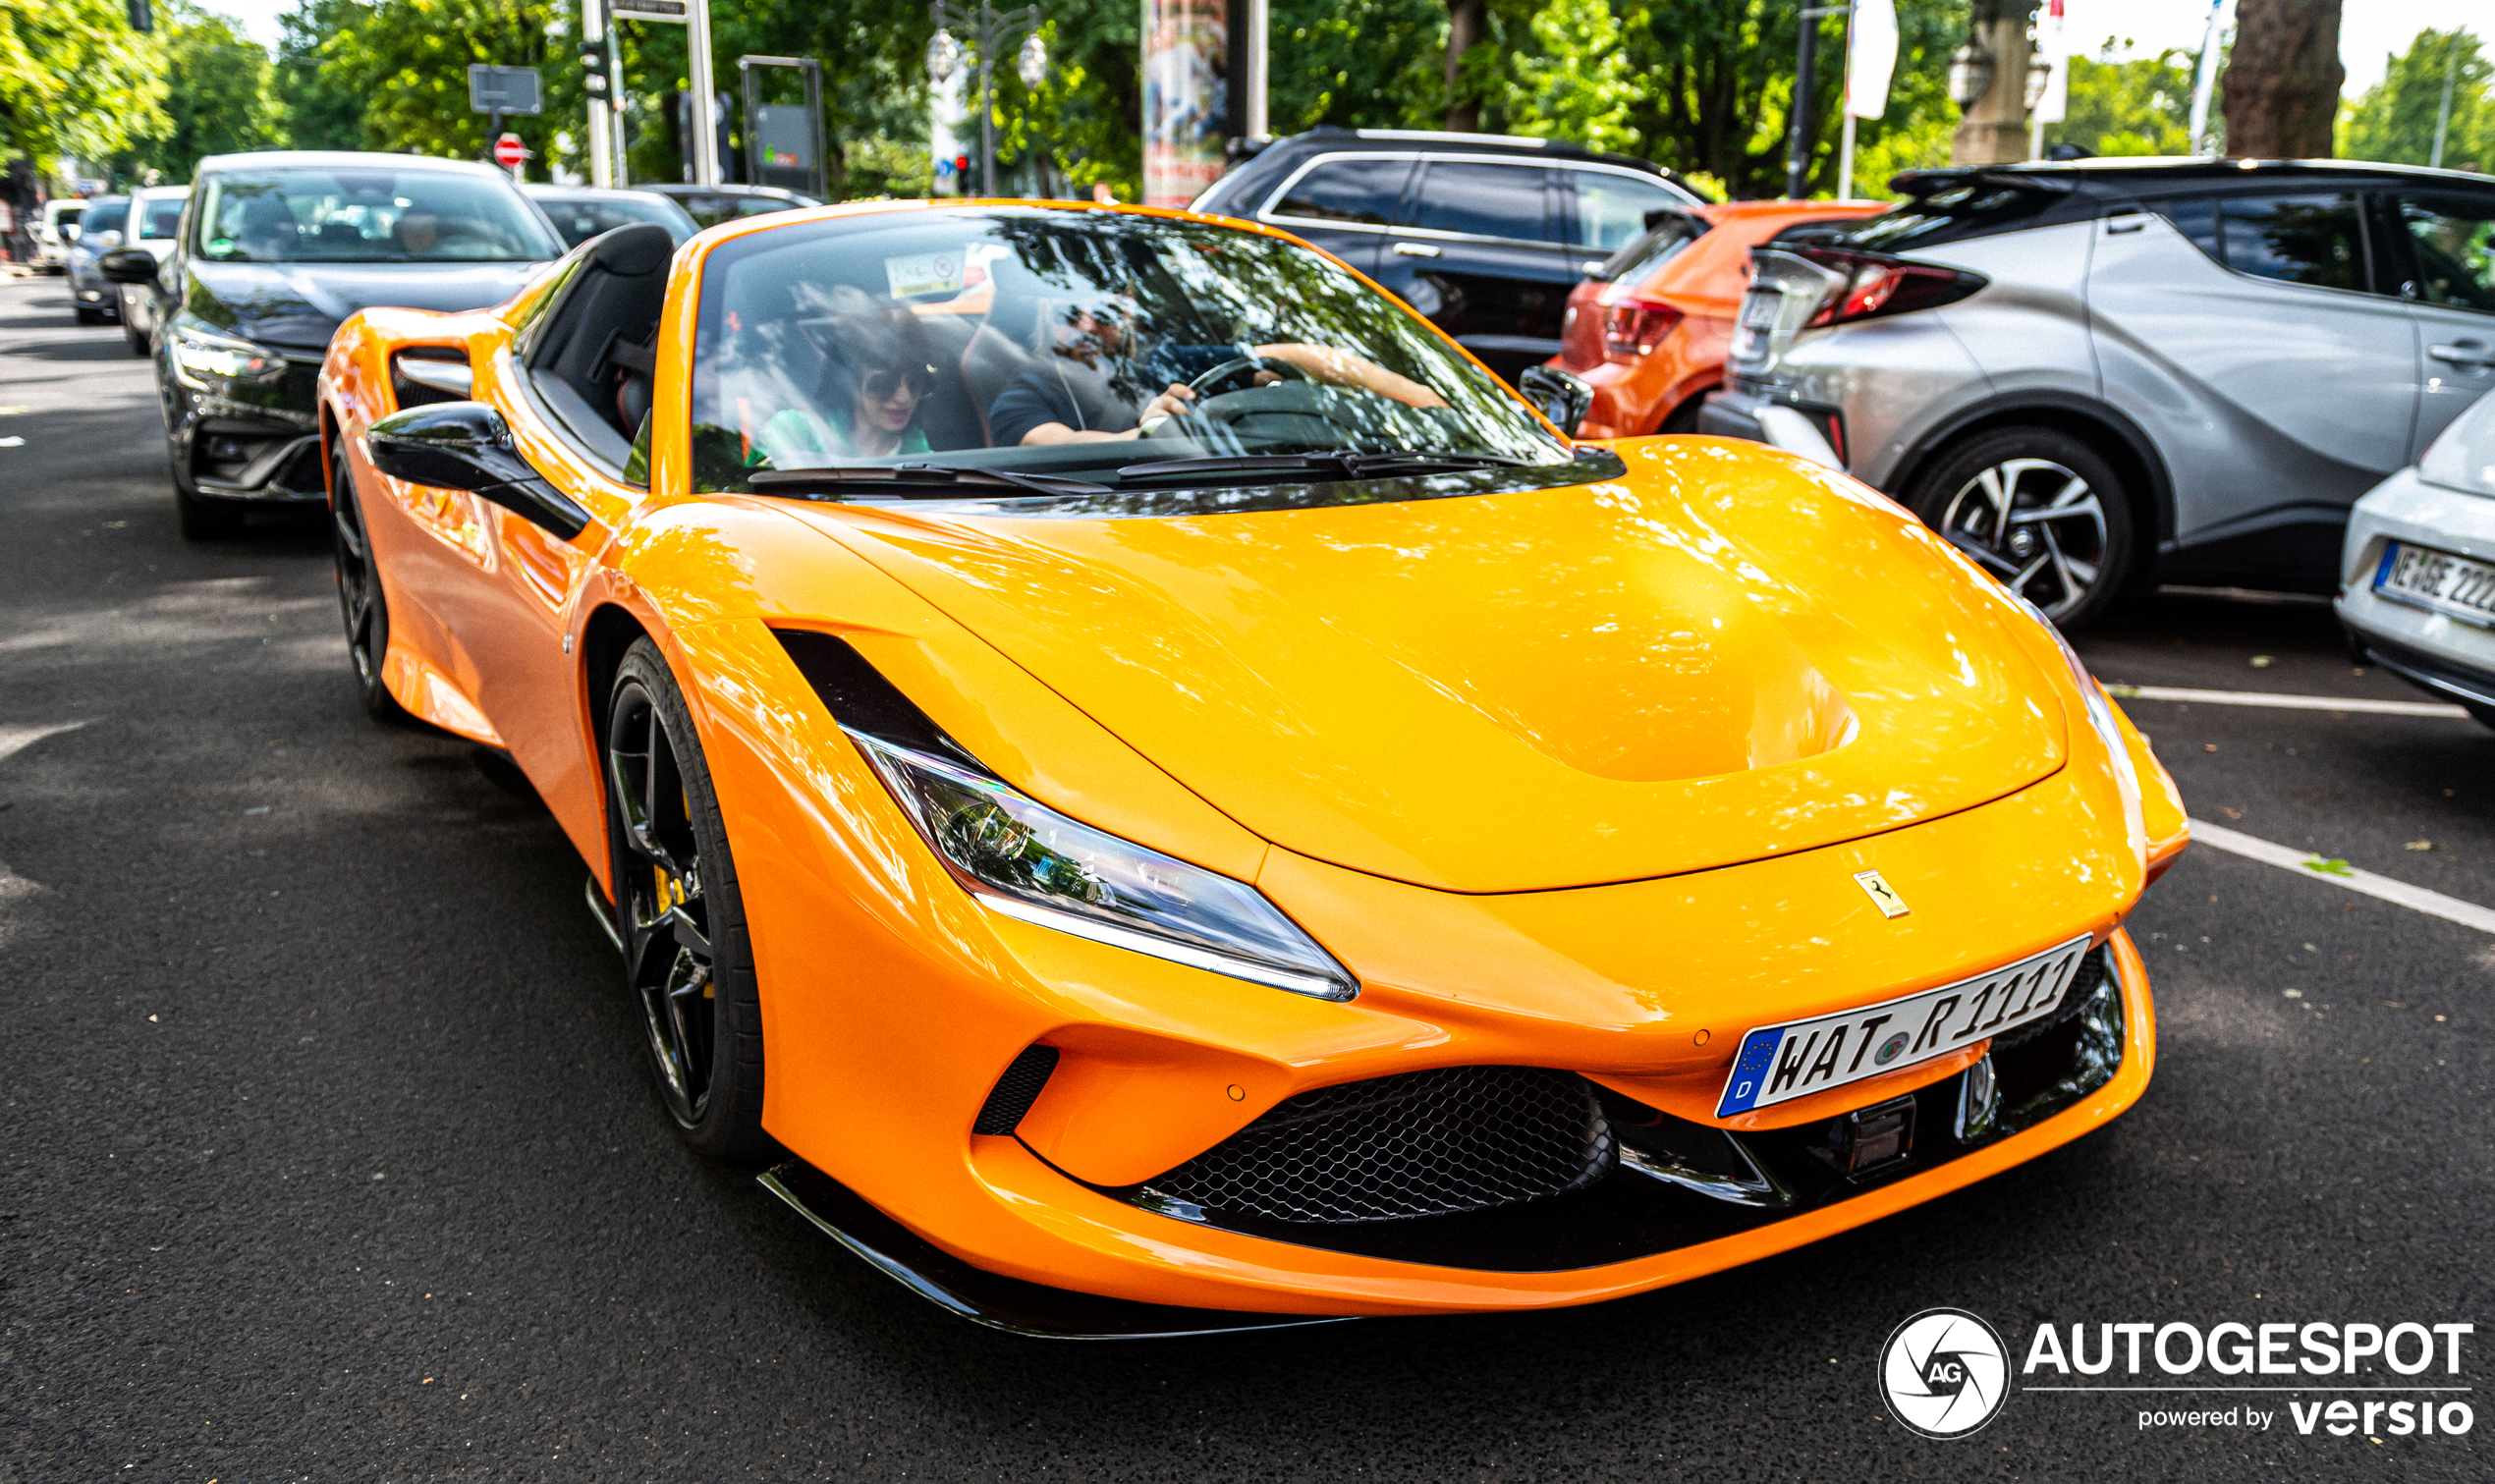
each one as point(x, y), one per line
point(1265, 372)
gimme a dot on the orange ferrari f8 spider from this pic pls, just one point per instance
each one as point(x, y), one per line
point(1155, 794)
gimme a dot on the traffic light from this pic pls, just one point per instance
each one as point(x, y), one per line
point(141, 16)
point(593, 64)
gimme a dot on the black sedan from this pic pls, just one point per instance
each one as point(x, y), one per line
point(581, 212)
point(275, 250)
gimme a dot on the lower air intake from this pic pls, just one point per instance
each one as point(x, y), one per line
point(1426, 1143)
point(1016, 1091)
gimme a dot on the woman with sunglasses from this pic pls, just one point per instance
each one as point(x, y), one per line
point(879, 368)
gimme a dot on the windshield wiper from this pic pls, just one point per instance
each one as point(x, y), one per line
point(944, 477)
point(1345, 464)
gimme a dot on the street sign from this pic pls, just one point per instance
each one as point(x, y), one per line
point(503, 89)
point(509, 152)
point(653, 10)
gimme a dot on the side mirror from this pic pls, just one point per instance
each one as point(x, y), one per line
point(129, 265)
point(1558, 396)
point(467, 445)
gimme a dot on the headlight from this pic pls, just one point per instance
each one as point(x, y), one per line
point(207, 361)
point(1028, 861)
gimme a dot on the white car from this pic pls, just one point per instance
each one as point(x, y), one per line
point(55, 231)
point(155, 224)
point(2417, 575)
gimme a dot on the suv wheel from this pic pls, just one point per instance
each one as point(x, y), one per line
point(2039, 511)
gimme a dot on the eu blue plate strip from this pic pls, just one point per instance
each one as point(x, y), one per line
point(1750, 1072)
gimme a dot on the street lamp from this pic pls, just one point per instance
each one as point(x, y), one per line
point(1969, 74)
point(2040, 74)
point(988, 30)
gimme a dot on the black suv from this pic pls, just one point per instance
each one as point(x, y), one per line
point(1485, 233)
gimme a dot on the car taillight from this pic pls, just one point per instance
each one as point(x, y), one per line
point(1875, 285)
point(1631, 331)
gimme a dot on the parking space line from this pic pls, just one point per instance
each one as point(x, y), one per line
point(2285, 703)
point(2307, 864)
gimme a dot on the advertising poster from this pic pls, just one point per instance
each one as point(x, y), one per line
point(1185, 97)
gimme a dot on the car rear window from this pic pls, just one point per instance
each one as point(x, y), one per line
point(1954, 213)
point(105, 216)
point(1650, 250)
point(1347, 191)
point(161, 218)
point(1483, 199)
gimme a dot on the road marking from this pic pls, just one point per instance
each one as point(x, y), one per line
point(2285, 703)
point(2304, 863)
point(16, 740)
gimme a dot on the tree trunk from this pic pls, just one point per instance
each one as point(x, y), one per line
point(1465, 25)
point(2281, 83)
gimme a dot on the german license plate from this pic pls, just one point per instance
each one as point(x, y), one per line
point(1780, 1063)
point(2437, 581)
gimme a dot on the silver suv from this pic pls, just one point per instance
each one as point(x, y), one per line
point(2109, 373)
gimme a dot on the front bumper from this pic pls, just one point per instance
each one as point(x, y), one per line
point(1816, 433)
point(256, 445)
point(2445, 655)
point(2044, 1092)
point(1621, 977)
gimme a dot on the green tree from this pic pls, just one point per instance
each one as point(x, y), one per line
point(2139, 107)
point(2395, 120)
point(74, 81)
point(220, 98)
point(321, 111)
point(407, 61)
point(1357, 64)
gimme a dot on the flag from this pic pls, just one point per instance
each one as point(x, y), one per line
point(1871, 56)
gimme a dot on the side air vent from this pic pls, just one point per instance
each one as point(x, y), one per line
point(859, 697)
point(1426, 1143)
point(1015, 1090)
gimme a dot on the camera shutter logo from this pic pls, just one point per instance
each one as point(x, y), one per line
point(1945, 1373)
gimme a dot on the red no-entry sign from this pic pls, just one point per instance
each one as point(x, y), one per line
point(509, 152)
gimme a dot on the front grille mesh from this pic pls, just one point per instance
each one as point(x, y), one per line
point(1426, 1143)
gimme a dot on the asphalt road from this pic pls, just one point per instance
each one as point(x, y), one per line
point(330, 1154)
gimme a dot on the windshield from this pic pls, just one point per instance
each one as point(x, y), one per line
point(366, 216)
point(1072, 343)
point(582, 217)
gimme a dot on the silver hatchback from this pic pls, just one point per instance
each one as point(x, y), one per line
point(2109, 373)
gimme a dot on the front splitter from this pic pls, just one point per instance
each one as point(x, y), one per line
point(985, 1299)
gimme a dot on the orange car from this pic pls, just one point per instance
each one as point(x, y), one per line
point(1155, 794)
point(1648, 333)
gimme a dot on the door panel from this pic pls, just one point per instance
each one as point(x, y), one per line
point(2276, 401)
point(2449, 280)
point(1479, 253)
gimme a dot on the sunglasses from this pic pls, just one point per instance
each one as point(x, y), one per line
point(881, 386)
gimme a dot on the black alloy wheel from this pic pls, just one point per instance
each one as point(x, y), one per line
point(2041, 512)
point(686, 959)
point(360, 599)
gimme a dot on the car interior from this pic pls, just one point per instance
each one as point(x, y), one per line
point(593, 356)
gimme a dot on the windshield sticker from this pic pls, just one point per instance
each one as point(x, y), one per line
point(923, 273)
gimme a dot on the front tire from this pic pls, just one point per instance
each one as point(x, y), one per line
point(2041, 511)
point(688, 960)
point(361, 602)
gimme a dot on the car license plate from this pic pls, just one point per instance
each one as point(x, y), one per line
point(1756, 324)
point(1780, 1063)
point(2437, 581)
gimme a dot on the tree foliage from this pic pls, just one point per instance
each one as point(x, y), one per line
point(405, 64)
point(2141, 106)
point(2395, 120)
point(220, 96)
point(74, 81)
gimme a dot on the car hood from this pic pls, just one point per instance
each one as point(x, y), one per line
point(1723, 656)
point(296, 306)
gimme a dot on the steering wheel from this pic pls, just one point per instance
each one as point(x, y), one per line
point(1248, 366)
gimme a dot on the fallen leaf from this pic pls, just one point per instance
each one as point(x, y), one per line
point(2293, 994)
point(2421, 845)
point(2230, 813)
point(2331, 867)
point(2208, 746)
point(2261, 662)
